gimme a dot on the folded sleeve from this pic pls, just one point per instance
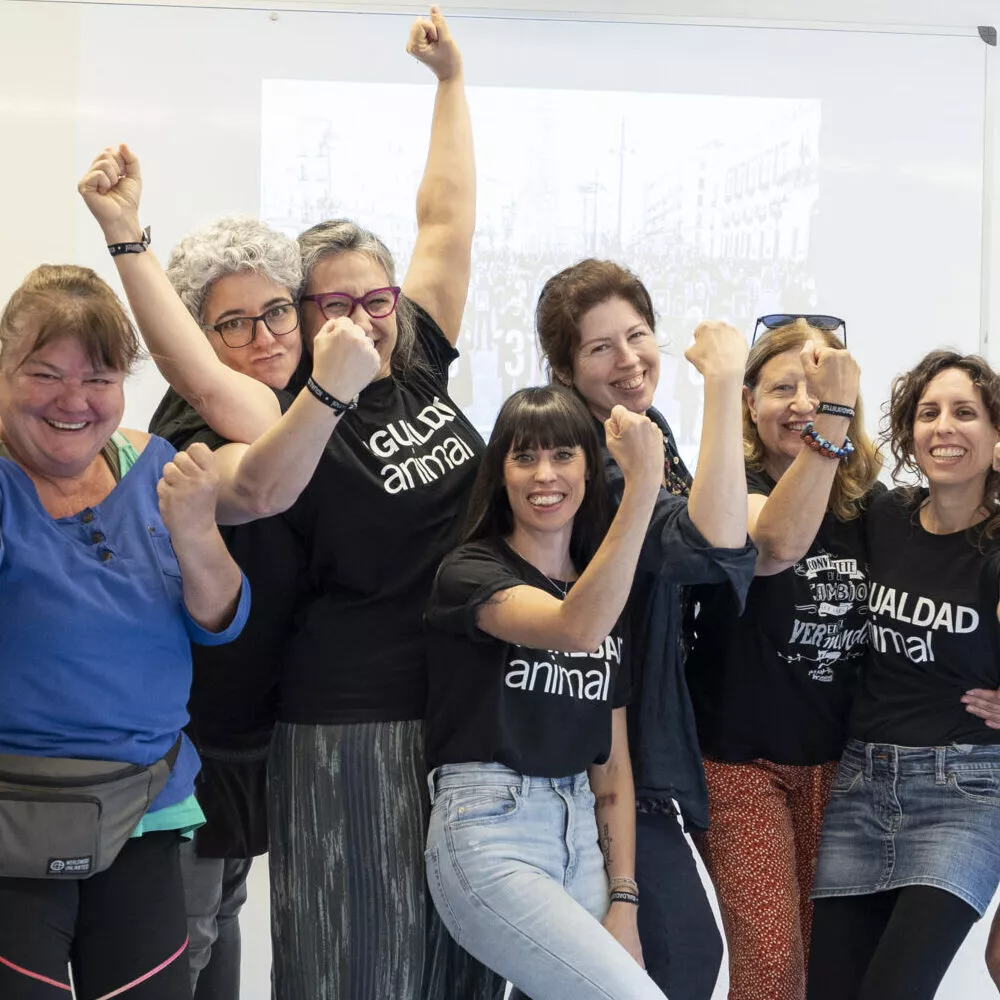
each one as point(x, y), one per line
point(203, 637)
point(466, 580)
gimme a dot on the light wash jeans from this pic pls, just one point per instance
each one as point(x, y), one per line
point(515, 871)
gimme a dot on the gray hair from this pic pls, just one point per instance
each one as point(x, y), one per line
point(337, 236)
point(232, 245)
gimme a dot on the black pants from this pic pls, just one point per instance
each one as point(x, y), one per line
point(681, 943)
point(894, 945)
point(124, 927)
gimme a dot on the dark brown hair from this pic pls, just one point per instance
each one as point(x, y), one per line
point(547, 416)
point(901, 414)
point(857, 475)
point(61, 300)
point(575, 290)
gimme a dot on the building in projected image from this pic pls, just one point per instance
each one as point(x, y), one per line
point(708, 198)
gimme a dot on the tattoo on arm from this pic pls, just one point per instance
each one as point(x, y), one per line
point(605, 840)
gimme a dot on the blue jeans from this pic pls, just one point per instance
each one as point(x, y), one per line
point(215, 890)
point(515, 871)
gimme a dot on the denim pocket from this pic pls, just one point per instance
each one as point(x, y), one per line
point(482, 806)
point(980, 786)
point(848, 777)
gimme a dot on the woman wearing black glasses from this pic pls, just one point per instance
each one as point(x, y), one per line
point(771, 686)
point(347, 773)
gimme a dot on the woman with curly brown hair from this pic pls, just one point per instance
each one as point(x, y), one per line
point(910, 853)
point(771, 687)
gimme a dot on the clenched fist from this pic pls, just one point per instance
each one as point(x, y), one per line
point(430, 42)
point(111, 188)
point(636, 444)
point(719, 350)
point(188, 492)
point(832, 375)
point(344, 359)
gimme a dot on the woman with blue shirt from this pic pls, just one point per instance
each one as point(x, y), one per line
point(110, 565)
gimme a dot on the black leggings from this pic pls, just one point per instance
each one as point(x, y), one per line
point(894, 945)
point(124, 927)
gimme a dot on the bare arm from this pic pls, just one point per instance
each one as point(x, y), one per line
point(529, 616)
point(439, 271)
point(211, 579)
point(614, 792)
point(784, 525)
point(718, 502)
point(234, 405)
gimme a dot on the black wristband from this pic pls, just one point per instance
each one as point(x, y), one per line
point(324, 397)
point(624, 897)
point(117, 249)
point(836, 410)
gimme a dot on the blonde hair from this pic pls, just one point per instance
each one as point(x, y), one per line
point(858, 473)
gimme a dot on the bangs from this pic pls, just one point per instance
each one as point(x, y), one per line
point(101, 327)
point(546, 418)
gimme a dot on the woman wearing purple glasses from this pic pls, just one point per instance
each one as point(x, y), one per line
point(349, 803)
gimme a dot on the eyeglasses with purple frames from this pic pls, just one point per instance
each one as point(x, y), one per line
point(378, 303)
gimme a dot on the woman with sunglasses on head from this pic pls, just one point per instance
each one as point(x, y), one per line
point(347, 776)
point(526, 731)
point(910, 853)
point(595, 326)
point(772, 682)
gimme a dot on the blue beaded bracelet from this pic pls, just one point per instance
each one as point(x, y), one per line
point(826, 448)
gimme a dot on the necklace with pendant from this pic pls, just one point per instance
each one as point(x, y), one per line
point(561, 587)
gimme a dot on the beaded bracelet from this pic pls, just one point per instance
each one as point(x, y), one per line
point(624, 883)
point(624, 897)
point(826, 448)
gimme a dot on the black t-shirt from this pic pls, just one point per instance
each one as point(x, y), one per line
point(933, 605)
point(540, 712)
point(777, 681)
point(381, 511)
point(233, 693)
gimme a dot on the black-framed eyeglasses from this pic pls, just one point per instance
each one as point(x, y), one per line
point(773, 320)
point(378, 303)
point(239, 331)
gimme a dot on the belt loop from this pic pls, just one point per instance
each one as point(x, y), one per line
point(431, 785)
point(940, 771)
point(868, 761)
point(525, 785)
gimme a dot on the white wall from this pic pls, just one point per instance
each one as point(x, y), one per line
point(42, 218)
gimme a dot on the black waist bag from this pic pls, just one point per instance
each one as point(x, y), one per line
point(67, 818)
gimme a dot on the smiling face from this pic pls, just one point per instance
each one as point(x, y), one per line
point(545, 487)
point(617, 360)
point(56, 409)
point(268, 358)
point(953, 437)
point(781, 404)
point(356, 274)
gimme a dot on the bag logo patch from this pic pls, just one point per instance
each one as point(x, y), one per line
point(70, 866)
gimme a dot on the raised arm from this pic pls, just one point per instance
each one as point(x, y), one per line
point(614, 792)
point(717, 505)
point(784, 524)
point(234, 405)
point(439, 271)
point(267, 477)
point(531, 617)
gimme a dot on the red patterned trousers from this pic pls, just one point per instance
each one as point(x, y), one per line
point(760, 851)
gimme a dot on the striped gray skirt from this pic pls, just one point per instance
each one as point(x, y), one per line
point(351, 918)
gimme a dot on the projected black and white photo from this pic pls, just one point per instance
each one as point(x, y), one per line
point(710, 199)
